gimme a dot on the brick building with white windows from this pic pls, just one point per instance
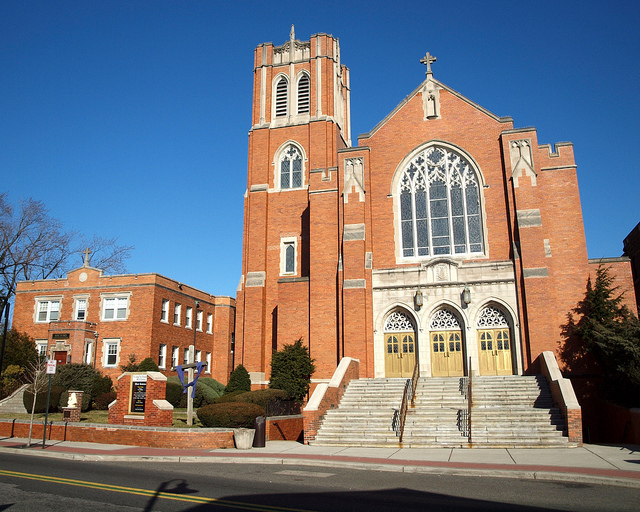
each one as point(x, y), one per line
point(89, 317)
point(446, 237)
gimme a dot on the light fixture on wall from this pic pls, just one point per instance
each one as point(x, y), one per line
point(418, 300)
point(466, 295)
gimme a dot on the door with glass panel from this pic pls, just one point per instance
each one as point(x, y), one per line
point(447, 348)
point(400, 345)
point(446, 354)
point(494, 344)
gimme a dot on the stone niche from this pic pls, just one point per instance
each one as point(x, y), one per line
point(141, 400)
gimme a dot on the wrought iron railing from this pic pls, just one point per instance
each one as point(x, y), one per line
point(408, 397)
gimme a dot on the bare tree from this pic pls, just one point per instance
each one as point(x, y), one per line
point(106, 254)
point(34, 245)
point(37, 376)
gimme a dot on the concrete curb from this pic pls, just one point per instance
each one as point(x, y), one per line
point(563, 474)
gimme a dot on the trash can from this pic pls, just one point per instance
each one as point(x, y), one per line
point(259, 424)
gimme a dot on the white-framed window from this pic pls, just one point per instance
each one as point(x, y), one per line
point(177, 309)
point(304, 103)
point(291, 168)
point(209, 323)
point(111, 353)
point(208, 368)
point(438, 201)
point(81, 309)
point(288, 256)
point(47, 310)
point(199, 320)
point(115, 307)
point(281, 103)
point(187, 322)
point(41, 347)
point(198, 356)
point(186, 356)
point(174, 356)
point(88, 352)
point(162, 355)
point(164, 313)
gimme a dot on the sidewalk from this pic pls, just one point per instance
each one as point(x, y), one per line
point(610, 465)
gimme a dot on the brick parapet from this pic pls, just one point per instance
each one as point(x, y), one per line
point(157, 411)
point(157, 437)
point(328, 396)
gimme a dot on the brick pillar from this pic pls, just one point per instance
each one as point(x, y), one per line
point(73, 413)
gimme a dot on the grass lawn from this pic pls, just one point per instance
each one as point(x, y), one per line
point(179, 417)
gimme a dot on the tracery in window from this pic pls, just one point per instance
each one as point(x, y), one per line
point(282, 89)
point(444, 320)
point(303, 94)
point(290, 168)
point(439, 205)
point(398, 322)
point(492, 317)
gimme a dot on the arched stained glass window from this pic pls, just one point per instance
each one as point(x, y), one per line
point(291, 168)
point(398, 321)
point(303, 94)
point(439, 205)
point(290, 259)
point(282, 90)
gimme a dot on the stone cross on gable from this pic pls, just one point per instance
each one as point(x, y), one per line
point(87, 251)
point(428, 59)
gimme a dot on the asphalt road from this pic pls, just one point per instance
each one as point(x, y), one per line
point(31, 483)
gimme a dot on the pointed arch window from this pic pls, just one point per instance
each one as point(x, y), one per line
point(303, 94)
point(290, 168)
point(439, 196)
point(282, 97)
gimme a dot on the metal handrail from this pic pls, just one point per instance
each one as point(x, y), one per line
point(409, 395)
point(469, 399)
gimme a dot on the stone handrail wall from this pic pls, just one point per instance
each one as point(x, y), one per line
point(563, 395)
point(327, 396)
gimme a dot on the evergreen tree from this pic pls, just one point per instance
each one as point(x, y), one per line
point(611, 333)
point(239, 380)
point(291, 370)
point(20, 350)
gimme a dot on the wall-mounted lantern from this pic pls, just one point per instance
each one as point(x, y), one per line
point(418, 300)
point(466, 295)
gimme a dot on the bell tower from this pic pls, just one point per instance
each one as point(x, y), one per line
point(291, 241)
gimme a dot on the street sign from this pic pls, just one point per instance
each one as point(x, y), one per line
point(51, 366)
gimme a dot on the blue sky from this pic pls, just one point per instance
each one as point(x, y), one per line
point(130, 119)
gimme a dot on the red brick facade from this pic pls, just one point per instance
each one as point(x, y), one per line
point(342, 218)
point(130, 314)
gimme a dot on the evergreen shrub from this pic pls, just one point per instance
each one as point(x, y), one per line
point(103, 400)
point(41, 402)
point(148, 365)
point(229, 415)
point(239, 380)
point(291, 370)
point(262, 397)
point(229, 397)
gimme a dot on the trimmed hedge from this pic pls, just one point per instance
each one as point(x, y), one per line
point(230, 415)
point(41, 402)
point(262, 397)
point(213, 384)
point(205, 394)
point(228, 397)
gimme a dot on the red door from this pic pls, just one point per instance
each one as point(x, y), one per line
point(60, 357)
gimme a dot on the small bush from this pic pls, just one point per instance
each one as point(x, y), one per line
point(148, 365)
point(64, 401)
point(239, 380)
point(41, 402)
point(229, 397)
point(102, 402)
point(230, 415)
point(175, 396)
point(213, 384)
point(101, 384)
point(262, 397)
point(291, 370)
point(76, 376)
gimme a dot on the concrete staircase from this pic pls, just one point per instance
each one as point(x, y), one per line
point(511, 411)
point(364, 416)
point(515, 411)
point(435, 420)
point(13, 403)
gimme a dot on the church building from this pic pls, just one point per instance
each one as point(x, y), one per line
point(445, 238)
